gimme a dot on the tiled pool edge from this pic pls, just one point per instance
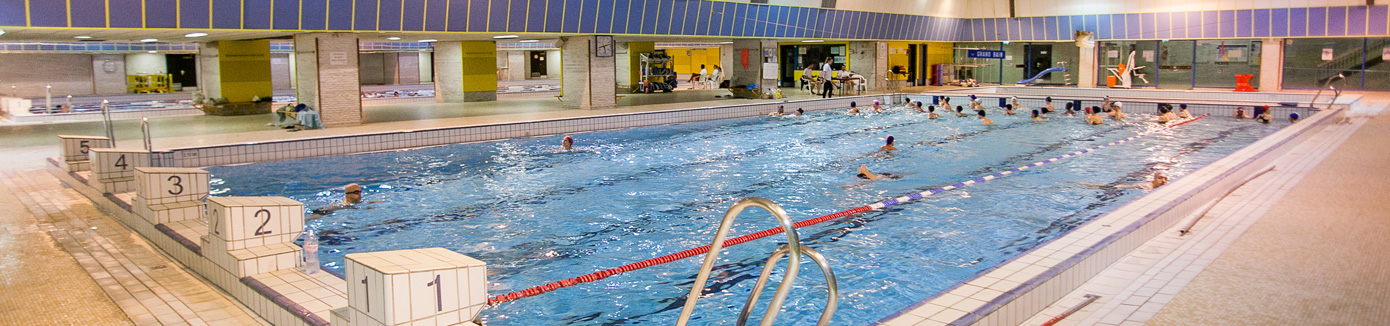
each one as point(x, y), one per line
point(981, 300)
point(202, 156)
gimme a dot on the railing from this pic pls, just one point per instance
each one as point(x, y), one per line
point(145, 131)
point(793, 247)
point(106, 121)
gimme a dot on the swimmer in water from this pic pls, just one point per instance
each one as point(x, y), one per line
point(1264, 116)
point(946, 102)
point(1293, 117)
point(853, 108)
point(888, 146)
point(1183, 113)
point(984, 120)
point(975, 103)
point(778, 113)
point(800, 112)
point(1048, 108)
point(1158, 181)
point(1240, 113)
point(1013, 100)
point(1115, 111)
point(1009, 109)
point(352, 196)
point(931, 113)
point(567, 144)
point(1037, 116)
point(1093, 116)
point(1070, 111)
point(869, 177)
point(960, 112)
point(877, 107)
point(918, 106)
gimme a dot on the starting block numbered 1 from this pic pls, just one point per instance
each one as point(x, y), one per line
point(431, 286)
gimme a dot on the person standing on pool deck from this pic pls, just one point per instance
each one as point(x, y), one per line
point(1182, 112)
point(931, 113)
point(984, 120)
point(828, 86)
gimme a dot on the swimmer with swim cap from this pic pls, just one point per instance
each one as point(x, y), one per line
point(984, 120)
point(1115, 111)
point(888, 146)
point(1009, 109)
point(1048, 108)
point(799, 111)
point(1293, 117)
point(1264, 116)
point(960, 112)
point(1071, 106)
point(352, 194)
point(853, 107)
point(917, 106)
point(779, 111)
point(1158, 181)
point(1036, 116)
point(931, 113)
point(567, 143)
point(1183, 113)
point(877, 108)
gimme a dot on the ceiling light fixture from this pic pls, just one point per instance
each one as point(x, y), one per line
point(505, 36)
point(394, 38)
point(2, 32)
point(428, 40)
point(154, 51)
point(81, 37)
point(528, 41)
point(727, 42)
point(812, 41)
point(195, 35)
point(148, 40)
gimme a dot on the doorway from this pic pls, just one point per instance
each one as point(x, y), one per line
point(914, 77)
point(183, 69)
point(538, 64)
point(1039, 58)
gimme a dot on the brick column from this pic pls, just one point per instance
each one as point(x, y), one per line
point(327, 77)
point(587, 81)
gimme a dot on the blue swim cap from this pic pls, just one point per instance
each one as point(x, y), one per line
point(890, 139)
point(1049, 99)
point(1291, 116)
point(919, 103)
point(852, 104)
point(1182, 106)
point(972, 96)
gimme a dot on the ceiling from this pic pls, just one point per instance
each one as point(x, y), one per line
point(177, 36)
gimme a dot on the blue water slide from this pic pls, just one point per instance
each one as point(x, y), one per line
point(1043, 73)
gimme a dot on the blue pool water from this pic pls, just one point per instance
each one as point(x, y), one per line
point(537, 216)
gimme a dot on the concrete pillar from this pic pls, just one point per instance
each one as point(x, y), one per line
point(327, 76)
point(238, 71)
point(1272, 64)
point(281, 75)
point(726, 59)
point(587, 81)
point(518, 65)
point(108, 74)
point(748, 59)
point(426, 67)
point(871, 60)
point(1086, 69)
point(408, 68)
point(465, 71)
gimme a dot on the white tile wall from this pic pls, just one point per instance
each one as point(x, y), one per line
point(76, 148)
point(114, 169)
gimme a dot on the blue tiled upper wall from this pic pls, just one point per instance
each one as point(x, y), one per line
point(1250, 23)
point(679, 17)
point(648, 17)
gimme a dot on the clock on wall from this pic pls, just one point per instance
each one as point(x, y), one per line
point(603, 46)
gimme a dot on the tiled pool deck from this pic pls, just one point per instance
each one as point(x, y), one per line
point(326, 301)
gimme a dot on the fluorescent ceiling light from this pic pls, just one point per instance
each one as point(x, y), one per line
point(726, 42)
point(154, 51)
point(528, 41)
point(81, 37)
point(505, 36)
point(2, 32)
point(812, 41)
point(394, 38)
point(148, 40)
point(428, 40)
point(195, 35)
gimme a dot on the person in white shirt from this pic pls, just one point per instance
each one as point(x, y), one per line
point(828, 87)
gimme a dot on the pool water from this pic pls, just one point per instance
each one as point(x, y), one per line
point(536, 215)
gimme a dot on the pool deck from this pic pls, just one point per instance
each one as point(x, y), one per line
point(1302, 244)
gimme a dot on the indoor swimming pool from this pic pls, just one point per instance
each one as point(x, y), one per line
point(536, 214)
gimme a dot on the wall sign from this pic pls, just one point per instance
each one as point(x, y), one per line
point(1327, 54)
point(337, 58)
point(985, 54)
point(1385, 54)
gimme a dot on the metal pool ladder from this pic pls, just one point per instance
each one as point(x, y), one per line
point(793, 246)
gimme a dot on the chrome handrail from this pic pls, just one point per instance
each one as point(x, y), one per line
point(833, 288)
point(145, 131)
point(794, 247)
point(106, 122)
point(1314, 103)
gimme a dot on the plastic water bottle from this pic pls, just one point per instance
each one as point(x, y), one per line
point(311, 251)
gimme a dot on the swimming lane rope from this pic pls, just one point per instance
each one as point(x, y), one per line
point(533, 291)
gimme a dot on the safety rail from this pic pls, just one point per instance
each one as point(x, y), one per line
point(1314, 102)
point(145, 132)
point(106, 121)
point(793, 246)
